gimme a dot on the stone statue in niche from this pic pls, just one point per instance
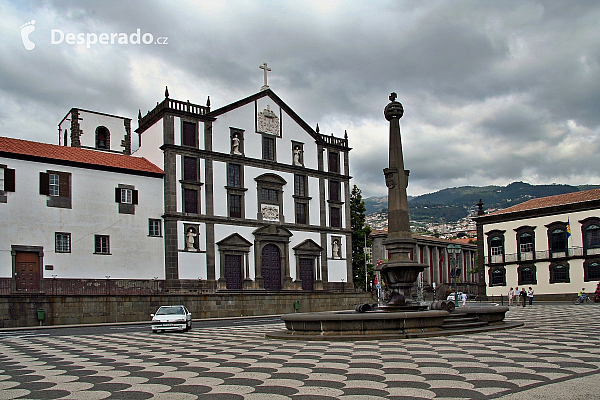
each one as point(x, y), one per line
point(235, 145)
point(297, 156)
point(335, 249)
point(267, 122)
point(190, 239)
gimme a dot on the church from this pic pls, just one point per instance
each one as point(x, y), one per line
point(247, 196)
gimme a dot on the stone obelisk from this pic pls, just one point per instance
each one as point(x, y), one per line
point(400, 272)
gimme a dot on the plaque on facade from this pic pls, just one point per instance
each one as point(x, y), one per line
point(269, 212)
point(267, 122)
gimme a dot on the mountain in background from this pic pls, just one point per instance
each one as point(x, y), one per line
point(450, 205)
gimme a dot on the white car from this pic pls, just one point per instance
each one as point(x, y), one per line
point(451, 296)
point(171, 318)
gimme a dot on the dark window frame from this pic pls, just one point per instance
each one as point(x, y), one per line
point(335, 217)
point(591, 270)
point(527, 274)
point(191, 170)
point(189, 138)
point(269, 148)
point(102, 244)
point(59, 243)
point(563, 268)
point(191, 206)
point(154, 227)
point(497, 276)
point(333, 162)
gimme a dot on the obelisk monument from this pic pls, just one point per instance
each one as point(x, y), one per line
point(400, 272)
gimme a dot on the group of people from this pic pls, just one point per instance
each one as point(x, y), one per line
point(582, 295)
point(521, 295)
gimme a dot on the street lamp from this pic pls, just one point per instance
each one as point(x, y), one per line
point(454, 250)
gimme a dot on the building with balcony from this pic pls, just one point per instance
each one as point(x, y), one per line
point(551, 244)
point(434, 252)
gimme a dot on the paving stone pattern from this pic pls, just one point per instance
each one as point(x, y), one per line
point(239, 363)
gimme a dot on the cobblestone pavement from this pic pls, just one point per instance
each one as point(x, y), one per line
point(553, 356)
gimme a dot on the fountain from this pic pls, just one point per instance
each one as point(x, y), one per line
point(401, 316)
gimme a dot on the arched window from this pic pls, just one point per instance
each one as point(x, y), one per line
point(557, 239)
point(526, 243)
point(559, 273)
point(498, 276)
point(527, 275)
point(591, 270)
point(102, 138)
point(496, 246)
point(592, 239)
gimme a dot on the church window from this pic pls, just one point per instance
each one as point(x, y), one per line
point(62, 242)
point(190, 201)
point(269, 195)
point(101, 244)
point(102, 138)
point(335, 217)
point(300, 185)
point(234, 175)
point(235, 206)
point(334, 162)
point(334, 190)
point(268, 148)
point(190, 169)
point(301, 213)
point(189, 134)
point(154, 227)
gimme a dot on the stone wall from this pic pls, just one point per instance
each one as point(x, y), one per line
point(20, 310)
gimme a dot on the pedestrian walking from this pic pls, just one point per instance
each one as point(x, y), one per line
point(463, 297)
point(523, 296)
point(530, 295)
point(517, 294)
point(511, 296)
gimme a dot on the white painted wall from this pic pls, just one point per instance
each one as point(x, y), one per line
point(191, 265)
point(219, 191)
point(297, 238)
point(89, 122)
point(314, 207)
point(543, 285)
point(152, 139)
point(26, 220)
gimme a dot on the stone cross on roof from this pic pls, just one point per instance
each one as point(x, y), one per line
point(265, 69)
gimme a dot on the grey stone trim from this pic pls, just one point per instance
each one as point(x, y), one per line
point(210, 251)
point(346, 169)
point(171, 251)
point(196, 123)
point(322, 204)
point(170, 182)
point(349, 274)
point(169, 129)
point(249, 222)
point(272, 182)
point(208, 135)
point(280, 237)
point(209, 191)
point(254, 162)
point(309, 249)
point(126, 142)
point(235, 244)
point(76, 131)
point(324, 271)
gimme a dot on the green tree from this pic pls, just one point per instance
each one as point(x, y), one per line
point(360, 231)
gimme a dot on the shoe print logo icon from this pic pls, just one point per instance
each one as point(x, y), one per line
point(26, 29)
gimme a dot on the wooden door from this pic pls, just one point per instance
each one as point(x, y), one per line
point(233, 272)
point(307, 274)
point(271, 267)
point(27, 271)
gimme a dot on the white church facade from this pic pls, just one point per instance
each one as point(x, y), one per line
point(244, 197)
point(254, 197)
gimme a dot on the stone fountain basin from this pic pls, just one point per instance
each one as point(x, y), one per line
point(352, 325)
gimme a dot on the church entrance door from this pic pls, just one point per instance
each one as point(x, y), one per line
point(27, 271)
point(307, 273)
point(233, 272)
point(271, 267)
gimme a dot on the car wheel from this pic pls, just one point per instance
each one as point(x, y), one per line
point(189, 328)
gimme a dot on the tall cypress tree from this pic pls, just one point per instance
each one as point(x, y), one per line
point(359, 232)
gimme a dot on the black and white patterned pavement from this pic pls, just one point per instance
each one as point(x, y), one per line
point(555, 355)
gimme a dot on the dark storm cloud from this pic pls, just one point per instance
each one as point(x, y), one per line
point(493, 91)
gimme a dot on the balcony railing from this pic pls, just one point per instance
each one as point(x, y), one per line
point(335, 140)
point(544, 255)
point(172, 105)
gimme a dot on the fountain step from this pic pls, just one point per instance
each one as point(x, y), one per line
point(459, 319)
point(467, 325)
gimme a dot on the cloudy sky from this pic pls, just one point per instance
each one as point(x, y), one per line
point(493, 91)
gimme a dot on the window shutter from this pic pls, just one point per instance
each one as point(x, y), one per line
point(134, 197)
point(117, 195)
point(9, 180)
point(64, 185)
point(44, 183)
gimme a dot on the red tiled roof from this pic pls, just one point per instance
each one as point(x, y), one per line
point(552, 201)
point(77, 155)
